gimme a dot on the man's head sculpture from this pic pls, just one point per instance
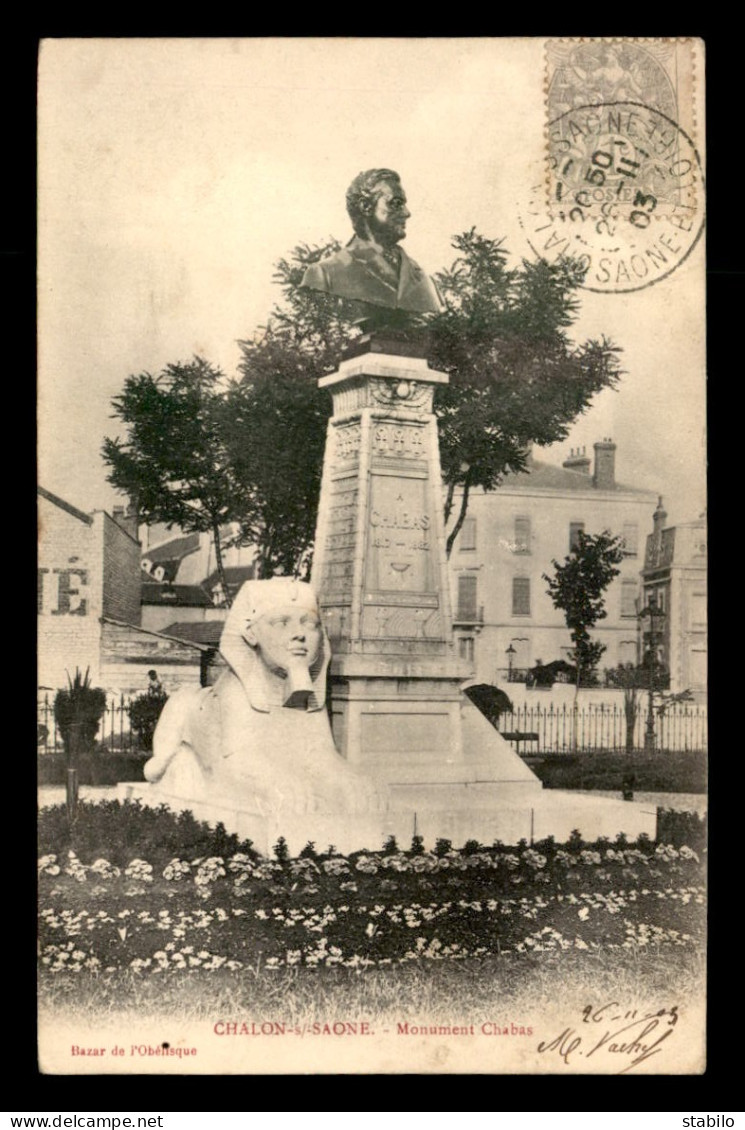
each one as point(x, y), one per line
point(363, 197)
point(372, 269)
point(274, 642)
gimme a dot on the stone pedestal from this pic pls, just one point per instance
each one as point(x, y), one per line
point(380, 571)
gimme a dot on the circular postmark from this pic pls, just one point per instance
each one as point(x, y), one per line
point(623, 197)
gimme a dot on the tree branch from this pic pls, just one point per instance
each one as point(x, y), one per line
point(449, 502)
point(461, 514)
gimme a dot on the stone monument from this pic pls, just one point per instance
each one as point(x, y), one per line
point(255, 750)
point(412, 754)
point(380, 570)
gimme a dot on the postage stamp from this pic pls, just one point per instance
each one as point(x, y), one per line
point(624, 188)
point(657, 73)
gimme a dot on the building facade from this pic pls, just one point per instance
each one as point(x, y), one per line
point(674, 579)
point(504, 620)
point(88, 569)
point(89, 612)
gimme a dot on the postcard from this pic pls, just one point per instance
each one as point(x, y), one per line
point(372, 559)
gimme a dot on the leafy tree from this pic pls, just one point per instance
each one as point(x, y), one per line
point(274, 429)
point(198, 456)
point(515, 376)
point(173, 463)
point(490, 700)
point(274, 418)
point(577, 587)
point(665, 701)
point(629, 678)
point(144, 712)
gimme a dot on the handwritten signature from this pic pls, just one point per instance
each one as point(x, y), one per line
point(625, 1032)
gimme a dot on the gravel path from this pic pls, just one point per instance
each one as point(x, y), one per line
point(683, 802)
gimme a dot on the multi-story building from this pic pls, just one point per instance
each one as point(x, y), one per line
point(504, 620)
point(674, 580)
point(170, 556)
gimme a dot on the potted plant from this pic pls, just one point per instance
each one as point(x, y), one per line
point(144, 712)
point(78, 711)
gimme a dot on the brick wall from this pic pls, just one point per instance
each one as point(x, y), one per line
point(69, 594)
point(121, 571)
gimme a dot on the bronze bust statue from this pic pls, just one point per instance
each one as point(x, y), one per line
point(372, 267)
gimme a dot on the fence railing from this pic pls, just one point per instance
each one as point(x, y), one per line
point(602, 726)
point(598, 726)
point(114, 734)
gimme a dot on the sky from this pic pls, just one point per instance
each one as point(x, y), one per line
point(173, 174)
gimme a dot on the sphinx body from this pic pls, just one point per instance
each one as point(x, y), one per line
point(261, 735)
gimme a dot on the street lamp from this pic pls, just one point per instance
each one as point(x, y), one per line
point(655, 614)
point(511, 652)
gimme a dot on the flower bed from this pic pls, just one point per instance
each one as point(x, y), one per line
point(237, 909)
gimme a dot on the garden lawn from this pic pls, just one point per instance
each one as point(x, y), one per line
point(139, 911)
point(469, 991)
point(653, 772)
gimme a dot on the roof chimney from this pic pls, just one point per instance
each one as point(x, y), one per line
point(578, 461)
point(127, 518)
point(604, 477)
point(660, 516)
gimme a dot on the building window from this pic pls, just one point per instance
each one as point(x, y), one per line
point(657, 596)
point(698, 610)
point(630, 536)
point(521, 596)
point(522, 535)
point(575, 529)
point(467, 597)
point(697, 667)
point(627, 651)
point(467, 538)
point(466, 648)
point(629, 593)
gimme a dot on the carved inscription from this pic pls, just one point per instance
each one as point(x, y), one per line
point(400, 553)
point(340, 540)
point(402, 441)
point(348, 443)
point(401, 623)
point(336, 621)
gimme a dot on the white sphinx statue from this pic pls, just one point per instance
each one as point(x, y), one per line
point(260, 737)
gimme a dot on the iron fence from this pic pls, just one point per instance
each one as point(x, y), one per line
point(544, 727)
point(114, 733)
point(547, 728)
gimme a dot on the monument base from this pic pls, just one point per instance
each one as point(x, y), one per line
point(472, 813)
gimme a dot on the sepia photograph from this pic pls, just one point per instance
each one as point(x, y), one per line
point(372, 725)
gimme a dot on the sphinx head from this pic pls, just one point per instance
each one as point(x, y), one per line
point(274, 630)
